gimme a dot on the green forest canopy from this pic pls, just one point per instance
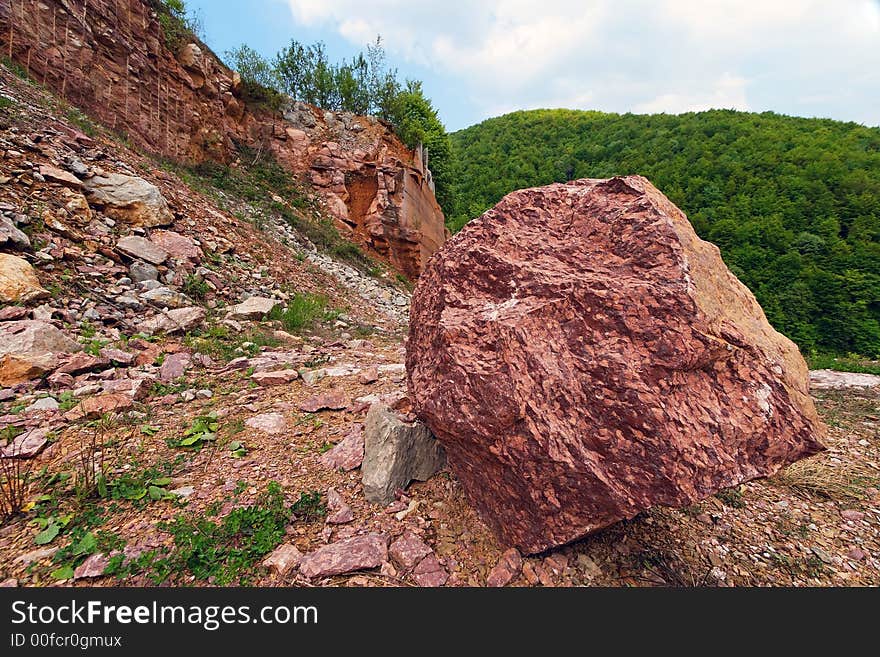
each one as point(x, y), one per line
point(794, 204)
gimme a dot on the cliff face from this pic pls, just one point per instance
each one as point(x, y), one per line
point(110, 58)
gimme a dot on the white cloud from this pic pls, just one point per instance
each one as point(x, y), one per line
point(630, 55)
point(729, 92)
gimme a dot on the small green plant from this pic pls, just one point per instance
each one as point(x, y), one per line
point(15, 67)
point(732, 497)
point(202, 430)
point(81, 121)
point(222, 551)
point(310, 506)
point(237, 449)
point(66, 400)
point(178, 25)
point(6, 103)
point(15, 475)
point(302, 311)
point(92, 460)
point(50, 527)
point(195, 287)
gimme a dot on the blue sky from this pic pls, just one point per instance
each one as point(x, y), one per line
point(482, 58)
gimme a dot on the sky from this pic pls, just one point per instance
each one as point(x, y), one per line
point(483, 58)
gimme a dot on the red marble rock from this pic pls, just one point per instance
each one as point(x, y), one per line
point(429, 572)
point(349, 453)
point(326, 401)
point(345, 556)
point(507, 568)
point(275, 377)
point(408, 550)
point(582, 356)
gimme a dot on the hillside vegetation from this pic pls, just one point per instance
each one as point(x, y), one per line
point(794, 204)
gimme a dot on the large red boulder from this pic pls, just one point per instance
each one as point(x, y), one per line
point(582, 355)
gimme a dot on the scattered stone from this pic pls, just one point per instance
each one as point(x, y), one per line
point(177, 246)
point(852, 514)
point(183, 491)
point(9, 583)
point(12, 236)
point(93, 566)
point(824, 557)
point(26, 445)
point(339, 512)
point(129, 199)
point(141, 248)
point(285, 558)
point(30, 348)
point(612, 362)
point(143, 271)
point(357, 553)
point(369, 375)
point(55, 175)
point(832, 380)
point(18, 281)
point(253, 308)
point(856, 554)
point(311, 377)
point(271, 423)
point(395, 453)
point(408, 550)
point(430, 572)
point(95, 407)
point(178, 320)
point(165, 297)
point(11, 313)
point(33, 556)
point(42, 405)
point(275, 378)
point(506, 570)
point(174, 366)
point(117, 355)
point(348, 454)
point(333, 401)
point(83, 362)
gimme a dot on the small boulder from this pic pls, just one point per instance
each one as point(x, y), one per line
point(254, 308)
point(396, 453)
point(273, 424)
point(130, 199)
point(143, 271)
point(338, 512)
point(59, 176)
point(29, 349)
point(26, 445)
point(95, 407)
point(333, 401)
point(141, 248)
point(18, 281)
point(283, 559)
point(178, 320)
point(177, 246)
point(348, 454)
point(174, 366)
point(345, 556)
point(275, 378)
point(10, 235)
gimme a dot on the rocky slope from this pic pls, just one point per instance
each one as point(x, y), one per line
point(111, 59)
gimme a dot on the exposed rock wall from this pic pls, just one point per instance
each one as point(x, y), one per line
point(110, 58)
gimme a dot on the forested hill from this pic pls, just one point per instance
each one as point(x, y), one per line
point(794, 204)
